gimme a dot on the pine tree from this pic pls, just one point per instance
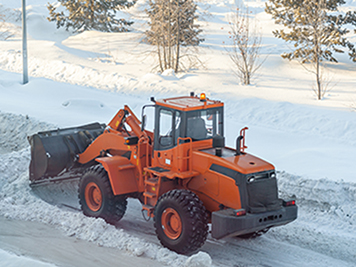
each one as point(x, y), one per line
point(316, 28)
point(172, 26)
point(82, 15)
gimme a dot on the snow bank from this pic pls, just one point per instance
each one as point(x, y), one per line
point(14, 130)
point(333, 125)
point(66, 72)
point(327, 216)
point(337, 199)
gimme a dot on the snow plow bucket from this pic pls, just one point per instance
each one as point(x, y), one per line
point(53, 152)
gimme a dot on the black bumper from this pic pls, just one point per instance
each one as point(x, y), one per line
point(225, 223)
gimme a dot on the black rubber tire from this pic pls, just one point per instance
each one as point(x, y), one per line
point(112, 208)
point(194, 221)
point(254, 234)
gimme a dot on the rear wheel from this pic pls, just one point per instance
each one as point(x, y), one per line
point(181, 221)
point(96, 198)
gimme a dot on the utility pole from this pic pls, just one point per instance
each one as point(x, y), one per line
point(24, 43)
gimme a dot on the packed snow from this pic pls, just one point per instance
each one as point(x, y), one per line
point(77, 79)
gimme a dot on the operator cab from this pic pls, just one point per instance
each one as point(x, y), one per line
point(189, 116)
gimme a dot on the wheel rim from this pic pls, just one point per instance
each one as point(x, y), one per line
point(93, 196)
point(171, 223)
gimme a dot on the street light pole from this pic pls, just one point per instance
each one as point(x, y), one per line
point(24, 43)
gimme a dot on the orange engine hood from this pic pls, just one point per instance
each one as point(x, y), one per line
point(244, 163)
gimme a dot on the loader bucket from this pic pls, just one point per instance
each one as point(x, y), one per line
point(54, 152)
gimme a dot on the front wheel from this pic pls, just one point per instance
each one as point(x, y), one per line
point(181, 221)
point(96, 198)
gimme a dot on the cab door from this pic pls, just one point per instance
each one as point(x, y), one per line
point(167, 131)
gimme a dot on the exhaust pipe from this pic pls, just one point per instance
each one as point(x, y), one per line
point(218, 144)
point(238, 145)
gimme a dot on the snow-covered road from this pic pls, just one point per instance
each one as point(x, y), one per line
point(53, 247)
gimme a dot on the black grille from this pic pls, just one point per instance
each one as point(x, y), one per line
point(262, 192)
point(258, 191)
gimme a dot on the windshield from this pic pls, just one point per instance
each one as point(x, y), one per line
point(204, 124)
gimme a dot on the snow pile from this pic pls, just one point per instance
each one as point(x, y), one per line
point(14, 130)
point(328, 208)
point(337, 199)
point(201, 259)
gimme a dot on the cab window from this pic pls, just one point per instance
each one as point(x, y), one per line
point(169, 127)
point(165, 129)
point(204, 124)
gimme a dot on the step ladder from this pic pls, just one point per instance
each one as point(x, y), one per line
point(152, 186)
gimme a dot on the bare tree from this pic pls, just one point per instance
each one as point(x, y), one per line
point(246, 41)
point(4, 32)
point(172, 27)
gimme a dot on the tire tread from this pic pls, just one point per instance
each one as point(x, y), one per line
point(115, 206)
point(193, 207)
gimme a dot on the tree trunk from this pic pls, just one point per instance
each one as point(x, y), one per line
point(169, 35)
point(318, 78)
point(246, 72)
point(163, 42)
point(159, 56)
point(317, 59)
point(178, 42)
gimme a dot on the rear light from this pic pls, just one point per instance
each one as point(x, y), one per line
point(240, 212)
point(288, 203)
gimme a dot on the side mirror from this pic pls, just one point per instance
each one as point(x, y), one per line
point(143, 122)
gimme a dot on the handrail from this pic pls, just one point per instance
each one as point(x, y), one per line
point(242, 133)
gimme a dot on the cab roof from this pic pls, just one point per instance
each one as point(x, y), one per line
point(187, 103)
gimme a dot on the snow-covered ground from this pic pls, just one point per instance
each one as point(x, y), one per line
point(12, 260)
point(76, 79)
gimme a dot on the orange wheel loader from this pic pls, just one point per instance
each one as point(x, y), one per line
point(182, 172)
